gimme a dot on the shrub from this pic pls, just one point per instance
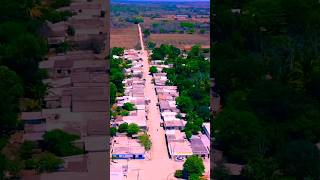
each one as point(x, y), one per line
point(145, 141)
point(133, 129)
point(128, 106)
point(123, 128)
point(113, 131)
point(178, 174)
point(47, 162)
point(193, 165)
point(63, 47)
point(60, 3)
point(153, 69)
point(26, 149)
point(59, 143)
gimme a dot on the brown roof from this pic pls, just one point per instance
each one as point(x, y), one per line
point(97, 126)
point(63, 64)
point(89, 94)
point(90, 106)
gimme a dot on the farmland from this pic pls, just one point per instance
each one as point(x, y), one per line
point(183, 41)
point(126, 37)
point(180, 24)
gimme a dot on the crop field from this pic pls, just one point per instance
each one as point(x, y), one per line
point(183, 41)
point(126, 37)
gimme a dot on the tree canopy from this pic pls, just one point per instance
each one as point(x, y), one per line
point(266, 69)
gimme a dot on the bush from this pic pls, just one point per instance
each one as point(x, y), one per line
point(56, 16)
point(60, 3)
point(47, 162)
point(63, 47)
point(123, 128)
point(193, 165)
point(128, 106)
point(59, 143)
point(124, 113)
point(151, 44)
point(113, 131)
point(153, 69)
point(178, 174)
point(133, 129)
point(145, 141)
point(26, 149)
point(194, 177)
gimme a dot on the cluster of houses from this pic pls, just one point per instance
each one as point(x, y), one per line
point(77, 98)
point(123, 147)
point(173, 122)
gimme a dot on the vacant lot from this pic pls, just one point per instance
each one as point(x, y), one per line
point(127, 37)
point(183, 41)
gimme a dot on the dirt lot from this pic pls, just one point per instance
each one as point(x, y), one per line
point(127, 37)
point(183, 41)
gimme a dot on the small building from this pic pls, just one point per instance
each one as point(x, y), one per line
point(179, 149)
point(123, 147)
point(198, 147)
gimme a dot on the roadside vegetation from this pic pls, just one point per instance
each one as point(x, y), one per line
point(191, 75)
point(193, 168)
point(267, 72)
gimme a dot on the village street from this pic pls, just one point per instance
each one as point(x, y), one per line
point(157, 165)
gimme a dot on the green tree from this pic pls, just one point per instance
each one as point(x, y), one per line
point(153, 69)
point(60, 3)
point(193, 166)
point(242, 124)
point(151, 45)
point(220, 172)
point(113, 92)
point(132, 129)
point(194, 177)
point(113, 131)
point(144, 139)
point(185, 103)
point(128, 106)
point(47, 162)
point(59, 143)
point(262, 168)
point(117, 51)
point(14, 167)
point(300, 159)
point(146, 32)
point(123, 128)
point(26, 149)
point(10, 91)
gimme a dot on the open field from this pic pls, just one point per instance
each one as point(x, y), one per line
point(183, 41)
point(127, 37)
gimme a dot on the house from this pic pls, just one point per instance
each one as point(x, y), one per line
point(123, 147)
point(179, 149)
point(34, 125)
point(198, 147)
point(175, 135)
